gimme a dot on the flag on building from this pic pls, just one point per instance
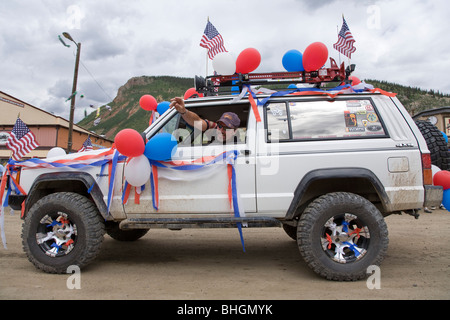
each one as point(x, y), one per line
point(212, 40)
point(21, 140)
point(87, 145)
point(345, 41)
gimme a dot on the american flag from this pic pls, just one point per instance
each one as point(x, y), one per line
point(345, 41)
point(87, 145)
point(212, 40)
point(21, 140)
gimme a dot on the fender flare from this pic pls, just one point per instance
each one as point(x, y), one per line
point(85, 178)
point(335, 173)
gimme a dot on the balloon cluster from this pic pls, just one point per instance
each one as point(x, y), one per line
point(314, 57)
point(442, 178)
point(149, 103)
point(247, 61)
point(133, 145)
point(225, 64)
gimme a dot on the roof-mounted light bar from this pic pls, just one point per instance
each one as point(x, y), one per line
point(210, 85)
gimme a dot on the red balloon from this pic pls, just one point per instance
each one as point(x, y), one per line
point(192, 93)
point(148, 102)
point(248, 60)
point(442, 178)
point(355, 80)
point(315, 56)
point(130, 143)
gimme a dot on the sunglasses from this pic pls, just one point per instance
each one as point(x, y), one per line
point(222, 126)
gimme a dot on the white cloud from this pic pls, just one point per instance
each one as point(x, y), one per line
point(400, 41)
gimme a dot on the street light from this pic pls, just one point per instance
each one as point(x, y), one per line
point(74, 89)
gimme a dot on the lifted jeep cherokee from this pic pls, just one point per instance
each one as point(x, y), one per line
point(327, 166)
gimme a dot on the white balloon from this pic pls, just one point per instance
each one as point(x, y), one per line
point(224, 63)
point(137, 171)
point(434, 169)
point(56, 152)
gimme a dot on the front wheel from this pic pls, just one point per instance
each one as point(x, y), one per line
point(60, 230)
point(340, 235)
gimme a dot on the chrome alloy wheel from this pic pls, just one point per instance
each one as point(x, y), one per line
point(345, 238)
point(56, 235)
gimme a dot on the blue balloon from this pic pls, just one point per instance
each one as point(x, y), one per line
point(446, 199)
point(161, 147)
point(163, 107)
point(293, 61)
point(445, 137)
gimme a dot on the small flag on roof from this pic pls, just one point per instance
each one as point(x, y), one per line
point(345, 40)
point(212, 40)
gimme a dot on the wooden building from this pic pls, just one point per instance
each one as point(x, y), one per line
point(50, 130)
point(440, 117)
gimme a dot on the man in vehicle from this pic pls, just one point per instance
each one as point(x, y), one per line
point(226, 125)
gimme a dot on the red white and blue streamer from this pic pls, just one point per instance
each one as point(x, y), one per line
point(111, 157)
point(227, 157)
point(332, 93)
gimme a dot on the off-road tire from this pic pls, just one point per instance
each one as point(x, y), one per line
point(83, 217)
point(311, 229)
point(113, 230)
point(440, 156)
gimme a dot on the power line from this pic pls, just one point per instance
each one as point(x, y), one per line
point(110, 99)
point(84, 66)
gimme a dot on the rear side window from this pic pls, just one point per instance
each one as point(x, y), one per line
point(323, 120)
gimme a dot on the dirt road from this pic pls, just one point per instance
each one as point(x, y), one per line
point(209, 264)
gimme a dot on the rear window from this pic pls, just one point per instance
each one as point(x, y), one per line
point(323, 120)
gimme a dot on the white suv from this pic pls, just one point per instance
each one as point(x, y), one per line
point(327, 168)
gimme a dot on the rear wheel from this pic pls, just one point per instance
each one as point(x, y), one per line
point(61, 230)
point(340, 235)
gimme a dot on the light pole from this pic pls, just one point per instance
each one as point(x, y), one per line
point(74, 89)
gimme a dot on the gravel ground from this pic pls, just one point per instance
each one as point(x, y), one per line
point(209, 264)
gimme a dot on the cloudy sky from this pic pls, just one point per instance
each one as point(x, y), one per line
point(403, 41)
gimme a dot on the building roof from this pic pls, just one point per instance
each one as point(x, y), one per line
point(431, 112)
point(11, 108)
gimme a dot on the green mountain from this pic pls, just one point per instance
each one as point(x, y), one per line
point(126, 113)
point(414, 99)
point(125, 109)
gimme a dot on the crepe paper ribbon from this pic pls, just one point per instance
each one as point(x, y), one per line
point(332, 93)
point(353, 247)
point(229, 157)
point(110, 157)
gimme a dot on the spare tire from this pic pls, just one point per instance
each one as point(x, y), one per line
point(440, 156)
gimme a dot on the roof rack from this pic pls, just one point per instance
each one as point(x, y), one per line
point(211, 84)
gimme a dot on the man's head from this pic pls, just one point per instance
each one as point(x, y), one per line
point(230, 120)
point(227, 125)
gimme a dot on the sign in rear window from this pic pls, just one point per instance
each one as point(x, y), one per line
point(318, 120)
